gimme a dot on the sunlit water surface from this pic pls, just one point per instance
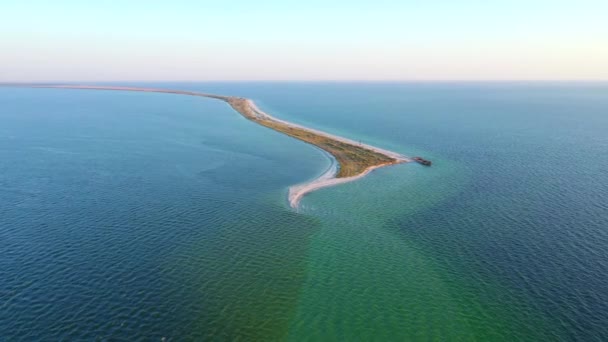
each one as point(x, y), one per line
point(148, 216)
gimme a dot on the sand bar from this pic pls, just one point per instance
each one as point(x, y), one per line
point(351, 160)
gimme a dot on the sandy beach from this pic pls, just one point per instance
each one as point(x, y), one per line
point(328, 178)
point(250, 110)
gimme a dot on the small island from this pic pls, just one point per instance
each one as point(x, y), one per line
point(354, 160)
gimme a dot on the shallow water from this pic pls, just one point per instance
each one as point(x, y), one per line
point(138, 215)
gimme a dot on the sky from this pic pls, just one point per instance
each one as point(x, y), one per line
point(387, 40)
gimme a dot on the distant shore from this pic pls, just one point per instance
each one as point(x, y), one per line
point(351, 160)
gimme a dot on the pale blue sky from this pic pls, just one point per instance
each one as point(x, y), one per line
point(303, 40)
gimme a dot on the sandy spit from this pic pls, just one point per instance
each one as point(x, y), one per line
point(296, 192)
point(327, 179)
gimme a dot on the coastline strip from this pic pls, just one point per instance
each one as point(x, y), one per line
point(351, 160)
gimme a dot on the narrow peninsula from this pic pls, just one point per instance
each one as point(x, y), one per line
point(351, 160)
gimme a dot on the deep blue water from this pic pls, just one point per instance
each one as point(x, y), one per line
point(131, 215)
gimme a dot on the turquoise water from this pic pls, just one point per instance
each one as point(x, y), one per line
point(142, 216)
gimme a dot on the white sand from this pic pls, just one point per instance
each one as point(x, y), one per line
point(328, 178)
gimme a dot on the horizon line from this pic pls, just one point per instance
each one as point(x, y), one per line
point(319, 81)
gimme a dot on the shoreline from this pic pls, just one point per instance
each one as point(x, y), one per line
point(388, 153)
point(351, 160)
point(325, 180)
point(328, 178)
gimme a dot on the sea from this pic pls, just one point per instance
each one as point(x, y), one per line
point(138, 216)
